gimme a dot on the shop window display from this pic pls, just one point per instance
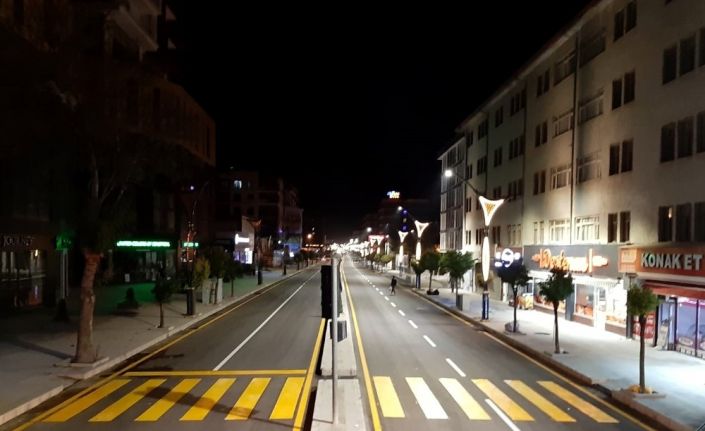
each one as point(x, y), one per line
point(585, 300)
point(687, 331)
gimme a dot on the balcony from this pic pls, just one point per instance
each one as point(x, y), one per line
point(139, 25)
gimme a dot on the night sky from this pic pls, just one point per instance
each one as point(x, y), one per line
point(347, 102)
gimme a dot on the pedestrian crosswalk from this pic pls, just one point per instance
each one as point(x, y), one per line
point(187, 399)
point(518, 400)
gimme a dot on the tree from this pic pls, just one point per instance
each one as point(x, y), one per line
point(456, 264)
point(201, 272)
point(233, 269)
point(385, 259)
point(418, 270)
point(430, 261)
point(517, 278)
point(640, 302)
point(217, 258)
point(298, 259)
point(557, 288)
point(163, 289)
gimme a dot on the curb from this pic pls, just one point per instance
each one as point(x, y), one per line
point(34, 402)
point(543, 358)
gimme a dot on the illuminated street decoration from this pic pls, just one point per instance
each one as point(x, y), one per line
point(506, 258)
point(485, 258)
point(420, 227)
point(151, 244)
point(393, 194)
point(489, 208)
point(241, 239)
point(190, 244)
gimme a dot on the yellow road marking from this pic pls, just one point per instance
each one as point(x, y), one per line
point(377, 426)
point(539, 401)
point(203, 406)
point(427, 401)
point(120, 406)
point(248, 400)
point(472, 408)
point(214, 373)
point(82, 404)
point(104, 381)
point(289, 395)
point(580, 404)
point(512, 409)
point(543, 367)
point(303, 402)
point(163, 405)
point(388, 399)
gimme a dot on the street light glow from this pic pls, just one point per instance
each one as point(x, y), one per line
point(448, 173)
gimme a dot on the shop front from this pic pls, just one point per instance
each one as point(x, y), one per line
point(599, 296)
point(677, 276)
point(23, 270)
point(136, 260)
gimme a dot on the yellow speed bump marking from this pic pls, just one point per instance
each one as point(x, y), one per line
point(163, 405)
point(203, 406)
point(207, 373)
point(388, 399)
point(289, 395)
point(82, 404)
point(577, 402)
point(248, 400)
point(512, 409)
point(123, 404)
point(472, 408)
point(539, 401)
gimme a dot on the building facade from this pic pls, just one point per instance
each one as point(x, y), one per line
point(596, 144)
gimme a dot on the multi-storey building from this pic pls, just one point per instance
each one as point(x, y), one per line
point(598, 144)
point(247, 195)
point(56, 49)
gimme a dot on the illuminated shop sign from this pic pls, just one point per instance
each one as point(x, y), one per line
point(393, 194)
point(241, 239)
point(149, 244)
point(188, 244)
point(586, 259)
point(670, 260)
point(16, 240)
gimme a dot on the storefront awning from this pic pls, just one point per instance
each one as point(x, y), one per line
point(667, 289)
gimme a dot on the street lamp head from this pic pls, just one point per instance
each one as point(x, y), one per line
point(399, 208)
point(369, 229)
point(448, 173)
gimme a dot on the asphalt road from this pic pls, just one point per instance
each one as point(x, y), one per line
point(429, 370)
point(250, 368)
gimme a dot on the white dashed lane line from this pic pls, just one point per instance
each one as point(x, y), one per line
point(411, 322)
point(455, 367)
point(402, 313)
point(425, 337)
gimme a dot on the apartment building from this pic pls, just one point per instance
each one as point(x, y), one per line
point(598, 146)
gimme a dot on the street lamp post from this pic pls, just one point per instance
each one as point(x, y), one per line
point(257, 258)
point(489, 208)
point(402, 235)
point(420, 227)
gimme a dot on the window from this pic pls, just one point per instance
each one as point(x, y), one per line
point(668, 142)
point(498, 157)
point(665, 224)
point(536, 232)
point(478, 236)
point(468, 236)
point(518, 102)
point(468, 204)
point(559, 230)
point(614, 159)
point(592, 46)
point(701, 62)
point(687, 55)
point(469, 171)
point(482, 130)
point(541, 134)
point(629, 87)
point(563, 68)
point(469, 139)
point(515, 188)
point(497, 192)
point(669, 64)
point(589, 167)
point(539, 182)
point(516, 147)
point(563, 123)
point(499, 116)
point(514, 233)
point(619, 24)
point(616, 93)
point(539, 85)
point(590, 108)
point(612, 227)
point(683, 222)
point(543, 82)
point(560, 176)
point(699, 221)
point(685, 137)
point(237, 184)
point(627, 155)
point(700, 133)
point(631, 15)
point(587, 229)
point(481, 165)
point(497, 235)
point(624, 226)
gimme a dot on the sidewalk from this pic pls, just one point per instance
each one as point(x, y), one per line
point(606, 360)
point(35, 350)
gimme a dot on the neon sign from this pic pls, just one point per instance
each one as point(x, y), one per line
point(188, 244)
point(152, 244)
point(393, 194)
point(241, 239)
point(569, 263)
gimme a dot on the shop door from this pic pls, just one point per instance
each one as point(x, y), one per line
point(600, 302)
point(666, 322)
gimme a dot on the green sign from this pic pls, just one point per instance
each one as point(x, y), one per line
point(63, 241)
point(142, 244)
point(187, 244)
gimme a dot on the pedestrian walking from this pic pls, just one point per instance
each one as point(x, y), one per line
point(393, 286)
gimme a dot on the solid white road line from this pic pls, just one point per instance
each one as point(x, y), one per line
point(413, 324)
point(455, 367)
point(231, 354)
point(402, 313)
point(429, 341)
point(501, 414)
